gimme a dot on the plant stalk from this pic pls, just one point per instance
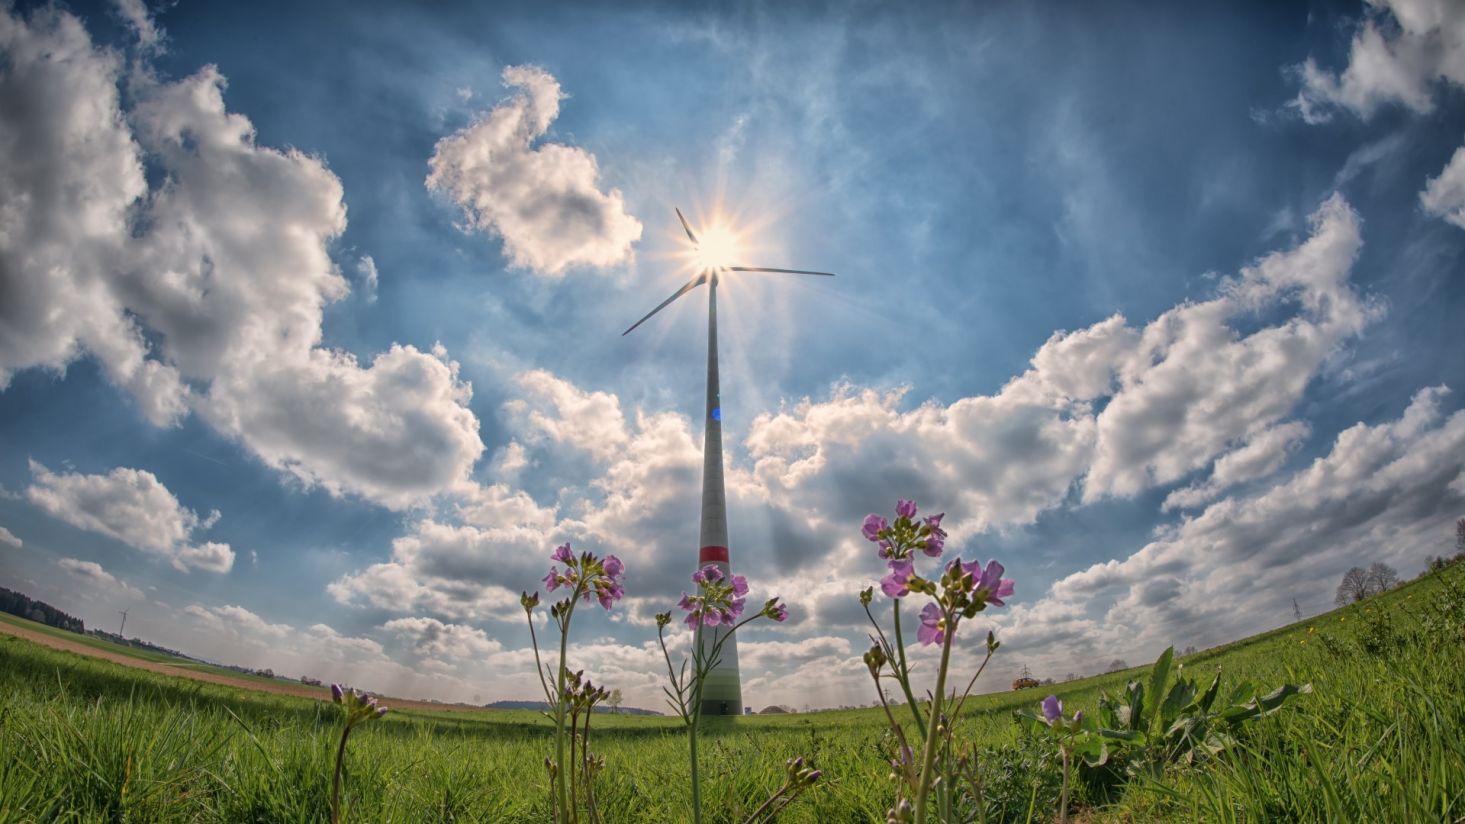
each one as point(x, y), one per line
point(336, 782)
point(923, 787)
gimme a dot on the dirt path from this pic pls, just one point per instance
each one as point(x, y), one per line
point(278, 688)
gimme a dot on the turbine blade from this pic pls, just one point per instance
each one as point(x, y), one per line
point(687, 287)
point(685, 226)
point(784, 271)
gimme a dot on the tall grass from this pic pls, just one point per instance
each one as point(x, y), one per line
point(84, 740)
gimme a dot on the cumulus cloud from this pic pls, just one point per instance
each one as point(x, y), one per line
point(432, 638)
point(1385, 492)
point(8, 537)
point(1176, 394)
point(131, 506)
point(1258, 458)
point(471, 569)
point(541, 199)
point(205, 292)
point(91, 574)
point(69, 174)
point(1402, 48)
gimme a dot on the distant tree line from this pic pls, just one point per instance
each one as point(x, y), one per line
point(38, 611)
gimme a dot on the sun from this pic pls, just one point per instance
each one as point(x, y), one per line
point(718, 247)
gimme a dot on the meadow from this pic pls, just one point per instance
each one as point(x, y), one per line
point(1378, 739)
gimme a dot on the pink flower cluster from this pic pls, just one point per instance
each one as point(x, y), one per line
point(587, 574)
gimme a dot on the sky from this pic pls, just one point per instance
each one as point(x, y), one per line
point(311, 314)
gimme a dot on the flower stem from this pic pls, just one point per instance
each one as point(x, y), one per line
point(923, 787)
point(562, 814)
point(698, 671)
point(1063, 796)
point(903, 674)
point(336, 782)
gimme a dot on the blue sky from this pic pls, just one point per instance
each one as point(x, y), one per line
point(1160, 307)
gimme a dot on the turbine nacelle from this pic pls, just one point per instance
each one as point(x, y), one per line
point(712, 253)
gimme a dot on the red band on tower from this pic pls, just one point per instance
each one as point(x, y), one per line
point(712, 553)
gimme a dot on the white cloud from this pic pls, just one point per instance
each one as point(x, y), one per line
point(1385, 492)
point(370, 277)
point(434, 639)
point(8, 537)
point(1401, 53)
point(69, 174)
point(94, 576)
point(215, 279)
point(1257, 458)
point(461, 571)
point(1177, 393)
point(1397, 55)
point(135, 13)
point(542, 200)
point(1444, 194)
point(131, 506)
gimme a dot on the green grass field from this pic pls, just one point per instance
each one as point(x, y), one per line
point(135, 652)
point(1379, 739)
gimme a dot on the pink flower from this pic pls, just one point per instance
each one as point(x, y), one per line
point(933, 626)
point(873, 526)
point(935, 543)
point(739, 585)
point(896, 583)
point(563, 554)
point(1052, 709)
point(905, 509)
point(553, 579)
point(613, 566)
point(991, 587)
point(707, 575)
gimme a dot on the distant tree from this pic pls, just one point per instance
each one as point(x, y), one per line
point(1381, 577)
point(1070, 676)
point(615, 700)
point(1190, 650)
point(1353, 588)
point(1116, 665)
point(1460, 535)
point(1296, 611)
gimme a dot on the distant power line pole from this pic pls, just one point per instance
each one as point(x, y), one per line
point(1296, 610)
point(123, 613)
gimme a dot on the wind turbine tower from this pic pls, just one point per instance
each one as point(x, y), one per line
point(722, 692)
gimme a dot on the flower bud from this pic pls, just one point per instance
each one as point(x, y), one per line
point(866, 595)
point(662, 619)
point(875, 659)
point(529, 602)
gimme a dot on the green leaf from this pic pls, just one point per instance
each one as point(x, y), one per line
point(1210, 697)
point(1181, 695)
point(1159, 674)
point(1126, 736)
point(1136, 707)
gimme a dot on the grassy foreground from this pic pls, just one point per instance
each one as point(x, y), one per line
point(1382, 738)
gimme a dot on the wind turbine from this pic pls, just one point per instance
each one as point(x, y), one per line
point(722, 692)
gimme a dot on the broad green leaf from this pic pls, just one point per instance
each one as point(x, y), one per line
point(1210, 697)
point(1180, 696)
point(1159, 674)
point(1137, 707)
